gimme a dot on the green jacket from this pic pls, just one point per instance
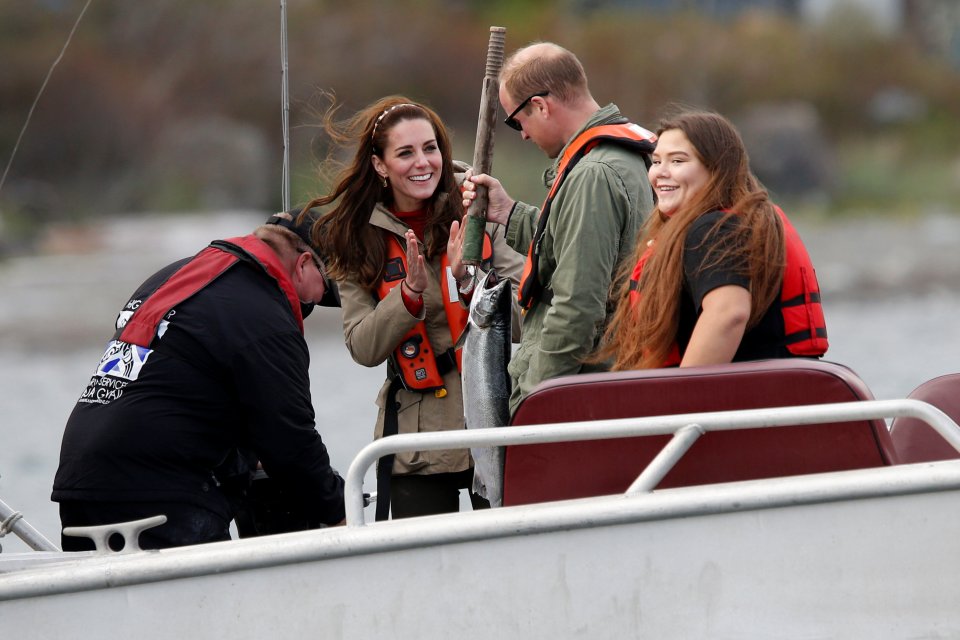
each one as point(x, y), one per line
point(593, 226)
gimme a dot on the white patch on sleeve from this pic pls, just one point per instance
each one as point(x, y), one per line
point(453, 294)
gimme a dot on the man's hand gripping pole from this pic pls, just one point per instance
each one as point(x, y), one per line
point(483, 148)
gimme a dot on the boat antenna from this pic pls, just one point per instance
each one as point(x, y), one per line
point(285, 100)
point(43, 86)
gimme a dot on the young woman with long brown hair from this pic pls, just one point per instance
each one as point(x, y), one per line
point(719, 274)
point(392, 239)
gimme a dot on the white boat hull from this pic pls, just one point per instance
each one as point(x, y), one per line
point(858, 554)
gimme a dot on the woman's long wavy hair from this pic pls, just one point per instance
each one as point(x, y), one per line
point(352, 247)
point(640, 335)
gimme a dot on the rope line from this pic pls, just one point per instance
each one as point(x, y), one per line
point(16, 146)
point(7, 525)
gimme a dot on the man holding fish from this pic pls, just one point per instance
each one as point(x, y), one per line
point(598, 197)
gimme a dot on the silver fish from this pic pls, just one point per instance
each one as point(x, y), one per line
point(486, 383)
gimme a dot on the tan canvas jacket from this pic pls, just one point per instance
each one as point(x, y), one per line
point(373, 329)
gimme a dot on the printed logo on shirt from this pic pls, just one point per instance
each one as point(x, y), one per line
point(123, 318)
point(103, 390)
point(119, 365)
point(123, 360)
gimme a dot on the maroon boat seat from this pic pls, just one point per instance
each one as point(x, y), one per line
point(563, 470)
point(915, 440)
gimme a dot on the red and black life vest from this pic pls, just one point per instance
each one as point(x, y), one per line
point(626, 134)
point(803, 321)
point(420, 368)
point(205, 267)
point(804, 326)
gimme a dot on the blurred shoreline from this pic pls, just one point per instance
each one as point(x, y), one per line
point(881, 257)
point(67, 294)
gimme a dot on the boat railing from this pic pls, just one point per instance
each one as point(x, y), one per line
point(11, 521)
point(685, 428)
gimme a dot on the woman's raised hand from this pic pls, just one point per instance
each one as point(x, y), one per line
point(455, 249)
point(416, 280)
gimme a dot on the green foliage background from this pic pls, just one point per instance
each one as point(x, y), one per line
point(136, 71)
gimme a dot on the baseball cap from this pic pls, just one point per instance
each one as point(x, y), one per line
point(301, 223)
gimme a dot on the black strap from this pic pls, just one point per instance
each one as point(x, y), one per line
point(544, 295)
point(391, 427)
point(446, 361)
point(805, 334)
point(798, 300)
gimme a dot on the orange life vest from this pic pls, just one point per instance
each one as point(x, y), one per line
point(420, 368)
point(626, 134)
point(804, 326)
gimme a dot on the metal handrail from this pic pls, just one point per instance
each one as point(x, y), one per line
point(645, 426)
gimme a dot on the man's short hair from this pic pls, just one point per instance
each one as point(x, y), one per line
point(544, 66)
point(294, 230)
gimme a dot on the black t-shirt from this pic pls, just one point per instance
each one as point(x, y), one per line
point(228, 369)
point(702, 273)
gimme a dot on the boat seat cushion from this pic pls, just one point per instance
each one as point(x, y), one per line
point(557, 471)
point(915, 440)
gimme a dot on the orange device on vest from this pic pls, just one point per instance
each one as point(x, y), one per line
point(419, 366)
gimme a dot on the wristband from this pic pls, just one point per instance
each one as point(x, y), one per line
point(467, 289)
point(471, 281)
point(510, 215)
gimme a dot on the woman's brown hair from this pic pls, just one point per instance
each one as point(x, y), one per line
point(641, 335)
point(352, 247)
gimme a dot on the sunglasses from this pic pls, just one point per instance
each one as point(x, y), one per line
point(321, 268)
point(511, 121)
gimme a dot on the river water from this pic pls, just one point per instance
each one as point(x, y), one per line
point(891, 292)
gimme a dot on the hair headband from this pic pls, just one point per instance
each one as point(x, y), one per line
point(385, 112)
